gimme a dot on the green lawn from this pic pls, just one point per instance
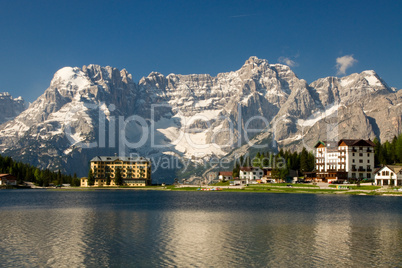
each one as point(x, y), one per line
point(368, 187)
point(226, 183)
point(284, 184)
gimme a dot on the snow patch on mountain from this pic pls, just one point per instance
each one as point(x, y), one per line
point(319, 115)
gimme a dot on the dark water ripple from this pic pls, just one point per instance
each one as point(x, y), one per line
point(190, 229)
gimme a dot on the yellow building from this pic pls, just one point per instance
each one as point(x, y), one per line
point(135, 171)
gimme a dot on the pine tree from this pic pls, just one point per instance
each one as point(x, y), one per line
point(377, 151)
point(393, 156)
point(59, 178)
point(91, 179)
point(75, 181)
point(236, 171)
point(398, 149)
point(304, 166)
point(118, 179)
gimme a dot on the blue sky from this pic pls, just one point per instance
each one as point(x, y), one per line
point(39, 37)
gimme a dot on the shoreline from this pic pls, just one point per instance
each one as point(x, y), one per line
point(294, 189)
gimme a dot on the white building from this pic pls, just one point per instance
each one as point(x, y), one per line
point(388, 175)
point(344, 159)
point(251, 174)
point(225, 175)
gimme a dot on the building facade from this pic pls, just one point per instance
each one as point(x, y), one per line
point(135, 171)
point(344, 159)
point(8, 179)
point(250, 174)
point(388, 175)
point(225, 175)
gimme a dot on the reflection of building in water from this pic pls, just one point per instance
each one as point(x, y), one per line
point(332, 234)
point(376, 239)
point(45, 237)
point(194, 238)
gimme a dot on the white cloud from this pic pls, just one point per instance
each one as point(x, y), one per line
point(288, 61)
point(344, 63)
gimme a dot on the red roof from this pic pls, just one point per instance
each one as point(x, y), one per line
point(226, 173)
point(349, 142)
point(8, 177)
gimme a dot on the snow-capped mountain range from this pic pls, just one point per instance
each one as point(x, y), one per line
point(97, 110)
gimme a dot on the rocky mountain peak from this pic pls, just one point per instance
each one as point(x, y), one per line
point(255, 60)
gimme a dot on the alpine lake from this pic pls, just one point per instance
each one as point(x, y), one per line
point(132, 228)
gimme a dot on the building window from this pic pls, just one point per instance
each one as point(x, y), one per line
point(368, 160)
point(353, 160)
point(353, 175)
point(368, 154)
point(360, 160)
point(353, 154)
point(368, 176)
point(360, 154)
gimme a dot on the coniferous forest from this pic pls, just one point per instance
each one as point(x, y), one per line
point(388, 153)
point(26, 172)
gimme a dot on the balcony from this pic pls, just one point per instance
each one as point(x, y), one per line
point(369, 150)
point(362, 169)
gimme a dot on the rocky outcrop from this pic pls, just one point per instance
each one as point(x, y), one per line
point(10, 107)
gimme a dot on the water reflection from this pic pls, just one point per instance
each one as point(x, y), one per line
point(132, 228)
point(43, 238)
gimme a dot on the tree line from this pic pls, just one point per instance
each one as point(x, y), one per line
point(281, 163)
point(389, 152)
point(41, 177)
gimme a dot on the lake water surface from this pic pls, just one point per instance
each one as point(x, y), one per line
point(134, 228)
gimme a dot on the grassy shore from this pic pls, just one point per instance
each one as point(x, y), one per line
point(259, 188)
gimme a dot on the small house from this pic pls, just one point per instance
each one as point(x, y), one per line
point(388, 175)
point(251, 174)
point(8, 179)
point(225, 175)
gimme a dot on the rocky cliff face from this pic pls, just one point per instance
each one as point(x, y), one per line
point(100, 111)
point(10, 107)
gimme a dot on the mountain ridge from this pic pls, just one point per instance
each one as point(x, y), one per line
point(195, 117)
